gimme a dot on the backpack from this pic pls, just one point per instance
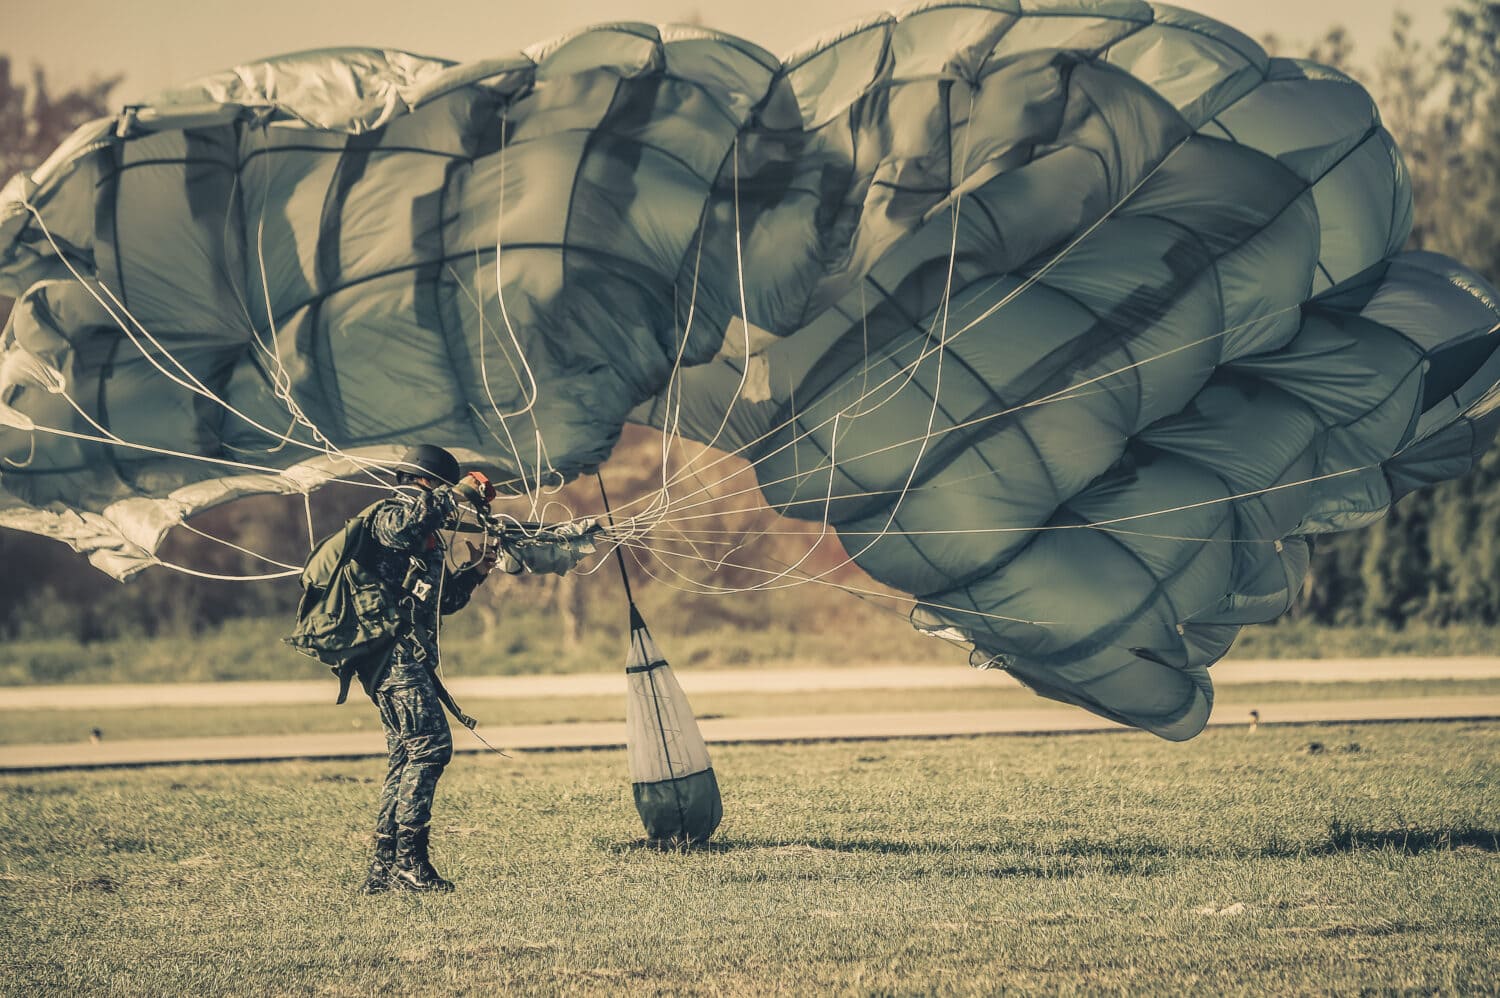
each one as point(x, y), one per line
point(345, 617)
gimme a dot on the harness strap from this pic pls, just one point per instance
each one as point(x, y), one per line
point(635, 615)
point(447, 701)
point(346, 675)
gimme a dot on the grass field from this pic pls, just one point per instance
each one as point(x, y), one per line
point(1235, 863)
point(528, 642)
point(44, 726)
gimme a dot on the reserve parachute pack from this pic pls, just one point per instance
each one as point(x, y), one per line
point(345, 615)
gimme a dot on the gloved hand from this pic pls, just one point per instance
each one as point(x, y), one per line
point(476, 488)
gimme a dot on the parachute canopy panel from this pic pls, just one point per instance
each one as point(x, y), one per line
point(1074, 320)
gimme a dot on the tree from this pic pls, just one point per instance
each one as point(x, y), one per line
point(1433, 559)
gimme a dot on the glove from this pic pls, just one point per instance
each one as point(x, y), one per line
point(476, 488)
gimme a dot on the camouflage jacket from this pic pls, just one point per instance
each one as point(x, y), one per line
point(408, 560)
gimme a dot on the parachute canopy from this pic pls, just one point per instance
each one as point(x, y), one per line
point(1075, 321)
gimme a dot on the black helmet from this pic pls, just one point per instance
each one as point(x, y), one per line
point(428, 461)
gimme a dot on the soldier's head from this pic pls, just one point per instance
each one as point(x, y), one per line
point(428, 466)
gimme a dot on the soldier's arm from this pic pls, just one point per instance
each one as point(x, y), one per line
point(458, 587)
point(402, 522)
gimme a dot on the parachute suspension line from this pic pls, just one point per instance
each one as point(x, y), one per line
point(30, 455)
point(189, 381)
point(1011, 296)
point(739, 270)
point(215, 577)
point(833, 444)
point(532, 393)
point(672, 413)
point(624, 575)
point(281, 381)
point(1067, 394)
point(312, 537)
point(242, 550)
point(709, 532)
point(114, 441)
point(1104, 524)
point(682, 510)
point(515, 450)
point(193, 386)
point(704, 589)
point(660, 503)
point(117, 441)
point(941, 323)
point(849, 410)
point(944, 308)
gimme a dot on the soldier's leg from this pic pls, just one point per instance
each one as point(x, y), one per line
point(379, 877)
point(428, 743)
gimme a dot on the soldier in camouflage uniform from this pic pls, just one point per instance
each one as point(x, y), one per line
point(404, 684)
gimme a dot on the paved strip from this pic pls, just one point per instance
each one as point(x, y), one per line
point(723, 731)
point(700, 681)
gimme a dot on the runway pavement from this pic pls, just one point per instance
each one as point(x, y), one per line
point(699, 681)
point(828, 727)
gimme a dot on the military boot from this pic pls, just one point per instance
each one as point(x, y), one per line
point(413, 871)
point(379, 877)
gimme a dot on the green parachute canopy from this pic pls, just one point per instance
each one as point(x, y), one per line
point(1074, 321)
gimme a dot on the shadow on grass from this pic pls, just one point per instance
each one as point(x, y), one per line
point(1079, 856)
point(1344, 838)
point(999, 860)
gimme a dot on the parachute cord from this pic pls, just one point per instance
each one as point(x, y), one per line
point(30, 455)
point(226, 578)
point(193, 386)
point(739, 268)
point(624, 575)
point(535, 392)
point(483, 741)
point(1101, 524)
point(1067, 394)
point(704, 589)
point(705, 533)
point(242, 550)
point(115, 441)
point(871, 598)
point(944, 309)
point(478, 303)
point(905, 373)
point(281, 382)
point(110, 439)
point(676, 376)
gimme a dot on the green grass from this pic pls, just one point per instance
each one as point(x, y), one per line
point(63, 725)
point(1233, 864)
point(528, 642)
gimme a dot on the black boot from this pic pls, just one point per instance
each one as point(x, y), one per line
point(413, 871)
point(379, 877)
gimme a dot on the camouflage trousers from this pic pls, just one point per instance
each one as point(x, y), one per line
point(420, 745)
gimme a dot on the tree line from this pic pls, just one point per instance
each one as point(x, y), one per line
point(1435, 559)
